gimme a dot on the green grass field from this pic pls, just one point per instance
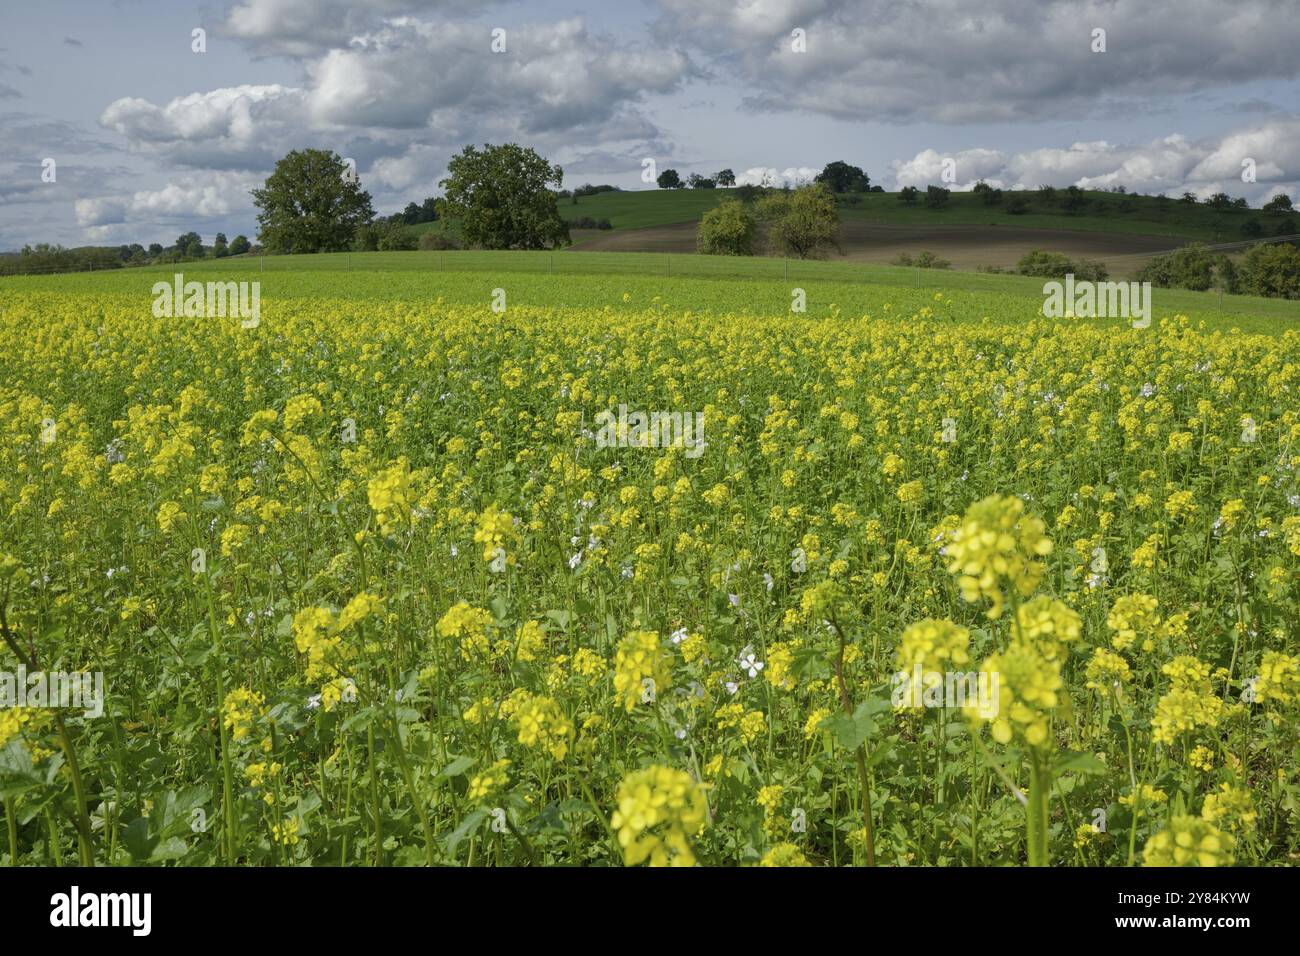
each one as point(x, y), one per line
point(761, 286)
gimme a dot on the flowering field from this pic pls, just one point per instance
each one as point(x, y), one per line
point(367, 586)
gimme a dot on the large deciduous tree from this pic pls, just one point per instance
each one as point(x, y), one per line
point(803, 223)
point(503, 198)
point(312, 202)
point(840, 177)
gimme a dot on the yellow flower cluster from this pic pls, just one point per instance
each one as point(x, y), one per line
point(1189, 841)
point(541, 722)
point(639, 659)
point(933, 645)
point(1106, 670)
point(485, 784)
point(995, 546)
point(241, 710)
point(1131, 616)
point(468, 625)
point(659, 810)
point(1279, 678)
point(495, 531)
point(390, 496)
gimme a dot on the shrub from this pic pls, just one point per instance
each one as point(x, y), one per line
point(802, 223)
point(728, 229)
point(925, 259)
point(365, 238)
point(1272, 270)
point(1191, 267)
point(1049, 265)
point(936, 197)
point(437, 241)
point(395, 237)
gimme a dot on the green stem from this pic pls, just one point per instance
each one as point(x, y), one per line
point(12, 820)
point(1040, 784)
point(74, 769)
point(227, 774)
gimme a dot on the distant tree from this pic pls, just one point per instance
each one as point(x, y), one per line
point(696, 181)
point(394, 237)
point(429, 210)
point(365, 238)
point(936, 197)
point(155, 249)
point(1240, 203)
point(1046, 193)
point(908, 194)
point(1017, 205)
point(989, 195)
point(1189, 198)
point(1189, 267)
point(1252, 228)
point(239, 245)
point(1272, 270)
point(840, 177)
point(310, 203)
point(189, 245)
point(434, 240)
point(669, 179)
point(1055, 265)
point(725, 178)
point(1228, 275)
point(411, 214)
point(1279, 203)
point(1041, 262)
point(802, 222)
point(1220, 201)
point(728, 229)
point(219, 247)
point(1073, 200)
point(503, 199)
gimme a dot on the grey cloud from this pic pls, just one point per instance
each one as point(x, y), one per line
point(1006, 60)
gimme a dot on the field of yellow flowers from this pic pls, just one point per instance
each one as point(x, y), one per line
point(366, 587)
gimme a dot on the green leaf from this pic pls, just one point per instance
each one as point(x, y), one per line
point(138, 841)
point(1071, 762)
point(467, 826)
point(454, 769)
point(852, 731)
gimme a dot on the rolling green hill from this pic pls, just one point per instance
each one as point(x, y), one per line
point(1104, 212)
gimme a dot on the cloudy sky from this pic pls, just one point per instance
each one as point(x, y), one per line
point(151, 139)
